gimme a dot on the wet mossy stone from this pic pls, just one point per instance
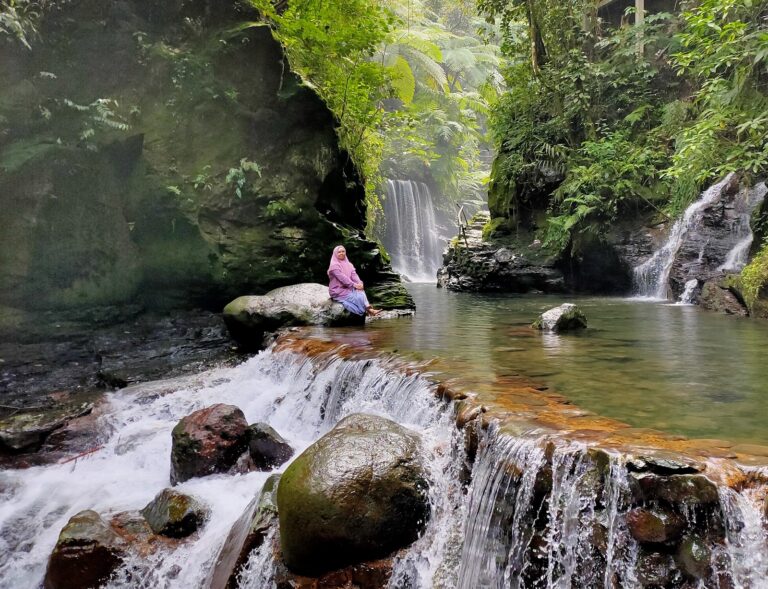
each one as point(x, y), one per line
point(656, 569)
point(86, 554)
point(694, 557)
point(566, 317)
point(247, 534)
point(267, 447)
point(174, 514)
point(685, 489)
point(357, 494)
point(208, 441)
point(655, 525)
point(249, 318)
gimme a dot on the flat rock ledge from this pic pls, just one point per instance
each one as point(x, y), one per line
point(250, 318)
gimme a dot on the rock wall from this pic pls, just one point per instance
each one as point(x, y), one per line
point(167, 154)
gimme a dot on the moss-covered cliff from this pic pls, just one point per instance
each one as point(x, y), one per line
point(165, 153)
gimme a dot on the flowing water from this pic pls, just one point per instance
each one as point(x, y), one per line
point(529, 518)
point(652, 277)
point(413, 237)
point(671, 367)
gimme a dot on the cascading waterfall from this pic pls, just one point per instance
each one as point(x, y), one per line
point(300, 398)
point(412, 236)
point(652, 277)
point(539, 511)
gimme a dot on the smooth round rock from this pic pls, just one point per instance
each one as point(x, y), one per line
point(563, 318)
point(655, 525)
point(174, 514)
point(267, 447)
point(357, 494)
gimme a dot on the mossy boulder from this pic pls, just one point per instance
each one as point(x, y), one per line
point(694, 556)
point(208, 441)
point(249, 318)
point(86, 554)
point(357, 494)
point(174, 514)
point(685, 489)
point(566, 317)
point(184, 163)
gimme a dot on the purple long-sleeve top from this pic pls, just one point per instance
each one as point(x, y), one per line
point(342, 282)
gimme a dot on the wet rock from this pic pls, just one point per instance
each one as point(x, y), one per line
point(86, 554)
point(174, 514)
point(694, 557)
point(657, 570)
point(27, 430)
point(655, 525)
point(356, 494)
point(268, 449)
point(249, 318)
point(718, 298)
point(472, 264)
point(373, 574)
point(663, 464)
point(566, 317)
point(247, 534)
point(207, 441)
point(687, 489)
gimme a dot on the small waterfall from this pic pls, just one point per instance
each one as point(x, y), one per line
point(652, 278)
point(746, 536)
point(412, 235)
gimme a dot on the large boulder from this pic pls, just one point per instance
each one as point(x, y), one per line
point(563, 318)
point(249, 318)
point(87, 553)
point(717, 295)
point(174, 514)
point(27, 430)
point(247, 534)
point(208, 441)
point(357, 494)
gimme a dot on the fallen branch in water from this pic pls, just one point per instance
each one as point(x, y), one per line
point(81, 455)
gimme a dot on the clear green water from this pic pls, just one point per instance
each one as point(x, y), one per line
point(649, 364)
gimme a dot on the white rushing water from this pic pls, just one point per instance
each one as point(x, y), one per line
point(652, 277)
point(297, 397)
point(412, 236)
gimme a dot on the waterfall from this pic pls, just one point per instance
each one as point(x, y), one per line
point(652, 278)
point(412, 236)
point(539, 511)
point(300, 398)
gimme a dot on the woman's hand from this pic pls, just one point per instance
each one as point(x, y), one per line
point(359, 286)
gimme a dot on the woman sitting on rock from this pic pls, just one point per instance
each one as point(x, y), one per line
point(345, 286)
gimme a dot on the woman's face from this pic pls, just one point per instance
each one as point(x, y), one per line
point(341, 254)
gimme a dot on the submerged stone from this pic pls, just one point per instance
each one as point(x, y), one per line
point(357, 494)
point(208, 441)
point(174, 514)
point(563, 318)
point(87, 553)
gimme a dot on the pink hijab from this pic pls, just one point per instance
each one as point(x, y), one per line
point(344, 266)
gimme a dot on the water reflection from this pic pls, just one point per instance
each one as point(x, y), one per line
point(652, 365)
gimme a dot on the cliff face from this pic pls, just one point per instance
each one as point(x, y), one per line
point(166, 154)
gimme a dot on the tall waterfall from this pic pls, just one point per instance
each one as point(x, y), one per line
point(709, 250)
point(412, 236)
point(539, 511)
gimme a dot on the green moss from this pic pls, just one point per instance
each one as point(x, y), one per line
point(494, 226)
point(755, 277)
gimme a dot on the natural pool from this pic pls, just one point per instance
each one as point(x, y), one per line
point(650, 364)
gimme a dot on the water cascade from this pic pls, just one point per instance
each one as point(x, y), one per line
point(412, 236)
point(539, 510)
point(702, 247)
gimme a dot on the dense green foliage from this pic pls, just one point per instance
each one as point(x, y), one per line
point(599, 121)
point(410, 83)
